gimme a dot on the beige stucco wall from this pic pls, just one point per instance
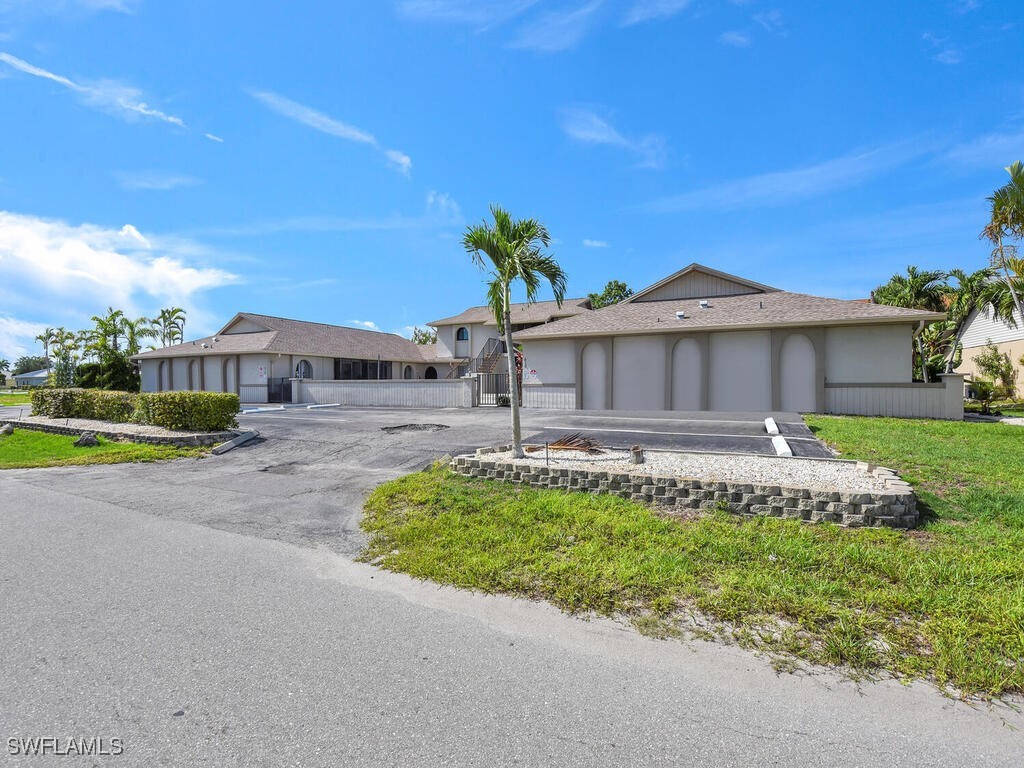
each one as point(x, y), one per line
point(878, 354)
point(740, 371)
point(1015, 349)
point(554, 362)
point(638, 373)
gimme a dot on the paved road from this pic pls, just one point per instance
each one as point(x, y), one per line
point(224, 589)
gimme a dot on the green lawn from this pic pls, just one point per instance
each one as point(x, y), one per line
point(25, 448)
point(945, 602)
point(15, 398)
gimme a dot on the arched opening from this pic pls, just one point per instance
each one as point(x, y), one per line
point(462, 334)
point(304, 370)
point(431, 372)
point(193, 375)
point(594, 377)
point(797, 374)
point(408, 372)
point(462, 342)
point(687, 376)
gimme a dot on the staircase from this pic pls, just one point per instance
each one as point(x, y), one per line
point(485, 362)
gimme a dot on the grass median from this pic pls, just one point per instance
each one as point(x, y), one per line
point(25, 448)
point(945, 602)
point(15, 398)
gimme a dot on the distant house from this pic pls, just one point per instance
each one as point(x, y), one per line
point(253, 355)
point(32, 378)
point(983, 327)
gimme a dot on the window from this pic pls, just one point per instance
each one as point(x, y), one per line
point(304, 370)
point(462, 334)
point(346, 369)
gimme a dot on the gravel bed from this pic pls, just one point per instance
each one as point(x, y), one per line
point(108, 426)
point(815, 474)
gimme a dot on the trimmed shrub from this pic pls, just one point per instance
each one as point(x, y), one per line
point(194, 411)
point(188, 411)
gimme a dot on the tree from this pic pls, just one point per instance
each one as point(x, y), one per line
point(134, 331)
point(169, 325)
point(997, 367)
point(614, 292)
point(45, 338)
point(424, 336)
point(1006, 222)
point(513, 250)
point(28, 363)
point(915, 290)
point(973, 292)
point(66, 355)
point(5, 366)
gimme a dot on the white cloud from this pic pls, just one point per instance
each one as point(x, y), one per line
point(440, 211)
point(65, 7)
point(212, 137)
point(735, 39)
point(318, 121)
point(944, 53)
point(155, 180)
point(108, 95)
point(595, 244)
point(770, 20)
point(783, 187)
point(18, 337)
point(651, 10)
point(555, 31)
point(57, 267)
point(367, 324)
point(587, 127)
point(478, 13)
point(991, 151)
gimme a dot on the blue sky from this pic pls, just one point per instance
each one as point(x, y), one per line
point(321, 160)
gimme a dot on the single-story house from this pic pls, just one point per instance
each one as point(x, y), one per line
point(32, 378)
point(254, 355)
point(984, 327)
point(701, 339)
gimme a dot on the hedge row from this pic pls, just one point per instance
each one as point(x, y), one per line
point(186, 411)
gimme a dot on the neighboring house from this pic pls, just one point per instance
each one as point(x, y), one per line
point(253, 355)
point(32, 378)
point(983, 327)
point(704, 340)
point(470, 342)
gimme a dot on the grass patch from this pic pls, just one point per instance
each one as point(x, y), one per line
point(26, 448)
point(15, 398)
point(944, 603)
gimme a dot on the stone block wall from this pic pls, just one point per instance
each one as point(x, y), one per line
point(896, 508)
point(201, 439)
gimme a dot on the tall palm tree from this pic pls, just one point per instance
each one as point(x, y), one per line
point(5, 367)
point(46, 338)
point(513, 250)
point(973, 292)
point(1007, 222)
point(134, 331)
point(169, 325)
point(66, 354)
point(918, 289)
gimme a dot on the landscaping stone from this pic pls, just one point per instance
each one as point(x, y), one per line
point(87, 440)
point(7, 429)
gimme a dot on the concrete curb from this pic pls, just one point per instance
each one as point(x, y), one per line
point(242, 439)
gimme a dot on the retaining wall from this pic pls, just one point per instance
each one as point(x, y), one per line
point(895, 509)
point(200, 439)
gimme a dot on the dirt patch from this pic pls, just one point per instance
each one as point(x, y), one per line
point(414, 428)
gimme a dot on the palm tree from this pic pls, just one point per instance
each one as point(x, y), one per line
point(513, 250)
point(66, 354)
point(169, 325)
point(134, 331)
point(110, 329)
point(5, 368)
point(1007, 222)
point(46, 338)
point(918, 289)
point(974, 292)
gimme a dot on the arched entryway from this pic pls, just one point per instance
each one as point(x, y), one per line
point(229, 375)
point(594, 371)
point(408, 373)
point(193, 376)
point(162, 377)
point(797, 374)
point(462, 342)
point(687, 376)
point(431, 372)
point(304, 370)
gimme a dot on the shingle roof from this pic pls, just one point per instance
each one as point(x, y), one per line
point(297, 337)
point(538, 312)
point(765, 310)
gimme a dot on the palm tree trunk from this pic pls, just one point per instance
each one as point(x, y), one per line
point(954, 345)
point(513, 384)
point(924, 364)
point(1009, 280)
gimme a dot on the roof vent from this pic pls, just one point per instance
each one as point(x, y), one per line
point(680, 315)
point(204, 345)
point(704, 303)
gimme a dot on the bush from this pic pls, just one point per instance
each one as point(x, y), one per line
point(197, 411)
point(190, 411)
